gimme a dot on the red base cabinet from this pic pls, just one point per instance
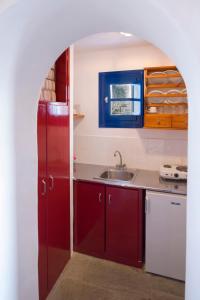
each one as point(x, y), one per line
point(108, 222)
point(124, 229)
point(89, 218)
point(53, 193)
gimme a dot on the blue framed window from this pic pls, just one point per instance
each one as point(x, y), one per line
point(121, 99)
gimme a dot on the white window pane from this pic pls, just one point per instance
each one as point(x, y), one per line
point(125, 108)
point(121, 91)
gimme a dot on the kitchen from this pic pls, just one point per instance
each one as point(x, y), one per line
point(143, 150)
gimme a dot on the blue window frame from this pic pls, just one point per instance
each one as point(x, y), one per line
point(121, 99)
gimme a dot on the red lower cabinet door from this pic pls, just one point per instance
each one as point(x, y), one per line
point(89, 218)
point(124, 225)
point(58, 221)
point(42, 202)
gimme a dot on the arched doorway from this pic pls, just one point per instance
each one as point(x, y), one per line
point(25, 58)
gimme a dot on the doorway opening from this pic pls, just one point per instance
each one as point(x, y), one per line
point(144, 148)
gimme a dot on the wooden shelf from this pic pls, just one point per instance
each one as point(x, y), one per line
point(79, 116)
point(166, 85)
point(164, 75)
point(162, 68)
point(165, 95)
point(164, 120)
point(166, 115)
point(166, 104)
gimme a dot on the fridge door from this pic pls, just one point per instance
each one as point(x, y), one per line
point(166, 234)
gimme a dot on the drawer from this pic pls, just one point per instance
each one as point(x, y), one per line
point(180, 121)
point(156, 121)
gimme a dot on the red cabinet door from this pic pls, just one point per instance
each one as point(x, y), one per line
point(42, 202)
point(124, 225)
point(89, 218)
point(58, 221)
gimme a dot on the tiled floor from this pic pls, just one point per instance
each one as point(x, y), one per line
point(89, 278)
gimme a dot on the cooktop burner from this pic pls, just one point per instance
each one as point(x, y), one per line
point(167, 166)
point(182, 168)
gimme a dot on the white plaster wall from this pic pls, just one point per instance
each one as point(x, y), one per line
point(6, 3)
point(33, 34)
point(141, 148)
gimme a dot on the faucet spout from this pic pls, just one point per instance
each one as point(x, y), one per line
point(120, 165)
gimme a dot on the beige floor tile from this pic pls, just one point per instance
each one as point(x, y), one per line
point(158, 295)
point(89, 278)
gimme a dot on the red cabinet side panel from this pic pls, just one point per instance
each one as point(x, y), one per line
point(124, 223)
point(62, 77)
point(42, 202)
point(58, 222)
point(89, 218)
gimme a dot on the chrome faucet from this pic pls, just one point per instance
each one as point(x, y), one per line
point(120, 165)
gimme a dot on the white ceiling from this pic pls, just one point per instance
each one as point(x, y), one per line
point(108, 40)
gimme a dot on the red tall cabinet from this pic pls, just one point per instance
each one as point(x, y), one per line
point(53, 193)
point(54, 181)
point(42, 200)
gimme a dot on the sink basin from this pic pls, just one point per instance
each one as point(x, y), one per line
point(113, 174)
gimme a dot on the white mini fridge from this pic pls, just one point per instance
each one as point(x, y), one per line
point(165, 234)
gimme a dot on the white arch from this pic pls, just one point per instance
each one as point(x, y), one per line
point(33, 33)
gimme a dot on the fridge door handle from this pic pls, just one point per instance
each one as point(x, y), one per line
point(147, 205)
point(175, 203)
point(44, 187)
point(51, 186)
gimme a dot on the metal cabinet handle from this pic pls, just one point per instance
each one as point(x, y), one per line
point(109, 199)
point(51, 186)
point(100, 197)
point(44, 187)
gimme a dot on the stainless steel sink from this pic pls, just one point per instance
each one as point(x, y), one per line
point(114, 174)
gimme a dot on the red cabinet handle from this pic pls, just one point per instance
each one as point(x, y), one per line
point(44, 187)
point(109, 199)
point(100, 197)
point(51, 186)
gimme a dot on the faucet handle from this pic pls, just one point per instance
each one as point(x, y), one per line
point(120, 167)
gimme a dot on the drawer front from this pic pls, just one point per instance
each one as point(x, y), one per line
point(180, 121)
point(156, 121)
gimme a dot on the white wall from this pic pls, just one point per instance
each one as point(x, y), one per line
point(33, 34)
point(141, 148)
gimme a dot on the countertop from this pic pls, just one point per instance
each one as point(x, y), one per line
point(144, 179)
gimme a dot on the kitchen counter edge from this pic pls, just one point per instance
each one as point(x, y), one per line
point(144, 179)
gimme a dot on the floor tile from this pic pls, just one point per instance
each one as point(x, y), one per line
point(89, 278)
